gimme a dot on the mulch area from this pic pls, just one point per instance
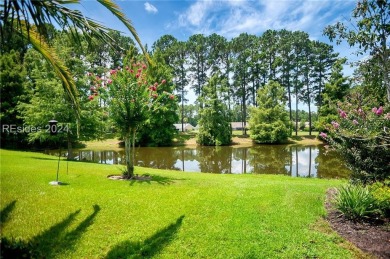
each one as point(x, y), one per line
point(371, 238)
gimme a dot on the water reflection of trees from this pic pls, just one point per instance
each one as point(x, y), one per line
point(161, 157)
point(269, 159)
point(330, 165)
point(308, 161)
point(214, 159)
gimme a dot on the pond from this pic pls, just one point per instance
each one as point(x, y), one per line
point(292, 160)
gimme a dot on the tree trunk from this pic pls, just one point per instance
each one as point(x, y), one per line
point(69, 146)
point(128, 152)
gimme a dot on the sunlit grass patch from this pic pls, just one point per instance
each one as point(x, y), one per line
point(173, 215)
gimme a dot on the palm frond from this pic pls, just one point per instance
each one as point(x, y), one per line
point(49, 54)
point(115, 10)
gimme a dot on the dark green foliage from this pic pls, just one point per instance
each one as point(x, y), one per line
point(158, 129)
point(361, 136)
point(214, 125)
point(356, 202)
point(45, 100)
point(12, 78)
point(334, 92)
point(368, 158)
point(269, 122)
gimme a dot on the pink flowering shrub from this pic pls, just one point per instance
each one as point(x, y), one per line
point(130, 99)
point(362, 135)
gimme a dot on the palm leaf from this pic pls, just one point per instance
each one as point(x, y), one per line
point(115, 10)
point(60, 69)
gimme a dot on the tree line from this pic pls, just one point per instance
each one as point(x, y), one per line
point(246, 63)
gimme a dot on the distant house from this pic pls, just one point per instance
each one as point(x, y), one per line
point(238, 125)
point(186, 126)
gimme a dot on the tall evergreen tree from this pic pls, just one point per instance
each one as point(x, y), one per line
point(269, 121)
point(198, 56)
point(372, 19)
point(214, 125)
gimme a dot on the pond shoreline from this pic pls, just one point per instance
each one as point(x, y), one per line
point(237, 141)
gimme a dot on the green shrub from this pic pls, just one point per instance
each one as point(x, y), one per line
point(381, 192)
point(356, 202)
point(362, 137)
point(269, 122)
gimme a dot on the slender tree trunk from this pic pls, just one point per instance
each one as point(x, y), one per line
point(182, 110)
point(296, 110)
point(133, 151)
point(309, 119)
point(289, 100)
point(309, 161)
point(128, 155)
point(69, 146)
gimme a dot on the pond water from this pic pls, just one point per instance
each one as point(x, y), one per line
point(296, 161)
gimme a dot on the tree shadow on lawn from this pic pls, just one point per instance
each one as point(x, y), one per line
point(149, 247)
point(153, 178)
point(50, 242)
point(5, 213)
point(43, 158)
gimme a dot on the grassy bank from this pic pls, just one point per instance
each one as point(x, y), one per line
point(175, 215)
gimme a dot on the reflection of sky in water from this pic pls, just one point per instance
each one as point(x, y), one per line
point(302, 161)
point(189, 166)
point(306, 167)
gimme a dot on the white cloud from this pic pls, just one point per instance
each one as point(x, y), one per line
point(232, 17)
point(150, 8)
point(195, 14)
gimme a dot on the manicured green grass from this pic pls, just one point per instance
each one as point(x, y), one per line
point(175, 215)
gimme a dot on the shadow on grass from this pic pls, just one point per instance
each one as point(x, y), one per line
point(50, 242)
point(149, 247)
point(296, 137)
point(5, 213)
point(43, 158)
point(154, 178)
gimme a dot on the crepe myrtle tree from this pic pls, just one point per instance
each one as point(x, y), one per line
point(131, 99)
point(362, 135)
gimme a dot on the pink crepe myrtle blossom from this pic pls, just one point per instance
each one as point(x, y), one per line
point(379, 111)
point(171, 97)
point(323, 135)
point(342, 114)
point(163, 81)
point(355, 122)
point(90, 97)
point(113, 72)
point(335, 125)
point(360, 112)
point(109, 81)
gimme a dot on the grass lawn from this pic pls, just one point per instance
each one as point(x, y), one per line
point(175, 215)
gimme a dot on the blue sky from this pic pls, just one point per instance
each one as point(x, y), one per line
point(229, 18)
